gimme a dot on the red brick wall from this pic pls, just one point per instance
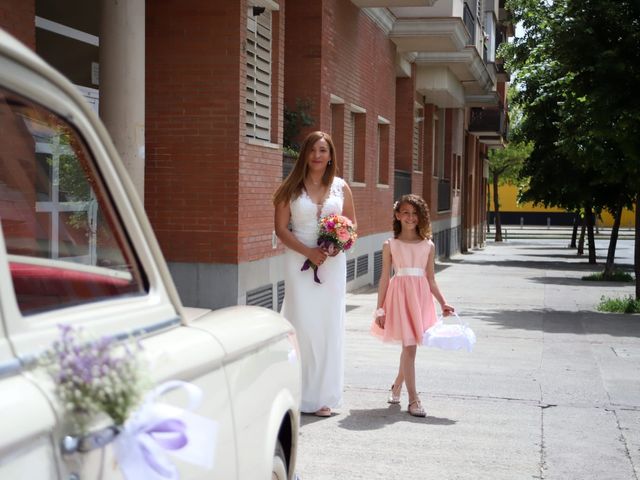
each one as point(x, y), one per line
point(405, 93)
point(333, 48)
point(18, 18)
point(193, 82)
point(302, 54)
point(358, 65)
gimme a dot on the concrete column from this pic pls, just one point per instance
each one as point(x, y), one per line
point(122, 81)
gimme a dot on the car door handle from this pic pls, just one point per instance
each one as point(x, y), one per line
point(90, 441)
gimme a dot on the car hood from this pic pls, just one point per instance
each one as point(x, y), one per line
point(259, 326)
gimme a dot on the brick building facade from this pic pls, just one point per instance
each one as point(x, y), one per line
point(410, 91)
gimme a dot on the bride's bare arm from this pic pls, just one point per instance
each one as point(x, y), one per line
point(281, 222)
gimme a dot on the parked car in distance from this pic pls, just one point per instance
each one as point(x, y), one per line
point(76, 249)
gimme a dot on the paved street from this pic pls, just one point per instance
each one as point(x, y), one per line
point(551, 391)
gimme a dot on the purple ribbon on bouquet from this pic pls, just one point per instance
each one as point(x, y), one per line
point(156, 429)
point(329, 247)
point(309, 264)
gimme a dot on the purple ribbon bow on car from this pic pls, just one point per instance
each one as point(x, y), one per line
point(156, 429)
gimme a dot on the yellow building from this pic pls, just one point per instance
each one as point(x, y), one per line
point(514, 213)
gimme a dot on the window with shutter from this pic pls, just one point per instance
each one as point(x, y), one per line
point(258, 106)
point(416, 158)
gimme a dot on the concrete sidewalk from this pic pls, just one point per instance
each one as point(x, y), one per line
point(551, 391)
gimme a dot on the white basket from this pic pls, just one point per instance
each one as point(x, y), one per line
point(450, 336)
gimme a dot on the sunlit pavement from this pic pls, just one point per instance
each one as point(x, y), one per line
point(551, 391)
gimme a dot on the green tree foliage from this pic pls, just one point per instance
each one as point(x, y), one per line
point(294, 120)
point(577, 67)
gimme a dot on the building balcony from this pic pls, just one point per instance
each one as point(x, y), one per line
point(489, 125)
point(465, 72)
point(392, 3)
point(447, 26)
point(447, 44)
point(429, 34)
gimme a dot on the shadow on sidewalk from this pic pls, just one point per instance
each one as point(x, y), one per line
point(577, 323)
point(578, 282)
point(537, 264)
point(377, 418)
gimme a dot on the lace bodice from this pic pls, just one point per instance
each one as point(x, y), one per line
point(305, 213)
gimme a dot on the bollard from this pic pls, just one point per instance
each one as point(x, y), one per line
point(548, 223)
point(521, 223)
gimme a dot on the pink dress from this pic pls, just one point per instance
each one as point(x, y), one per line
point(408, 304)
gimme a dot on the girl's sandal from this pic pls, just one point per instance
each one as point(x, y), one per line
point(415, 409)
point(393, 398)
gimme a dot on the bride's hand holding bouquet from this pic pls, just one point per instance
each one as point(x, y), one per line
point(335, 234)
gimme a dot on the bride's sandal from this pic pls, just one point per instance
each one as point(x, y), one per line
point(323, 412)
point(394, 399)
point(415, 409)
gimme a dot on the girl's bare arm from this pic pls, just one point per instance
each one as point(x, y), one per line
point(433, 285)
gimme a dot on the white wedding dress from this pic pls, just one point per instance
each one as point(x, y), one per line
point(317, 311)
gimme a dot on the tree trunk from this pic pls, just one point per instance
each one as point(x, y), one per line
point(583, 226)
point(591, 239)
point(496, 207)
point(488, 209)
point(574, 234)
point(636, 257)
point(613, 241)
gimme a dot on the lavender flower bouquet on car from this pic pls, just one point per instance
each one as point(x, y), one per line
point(94, 377)
point(107, 377)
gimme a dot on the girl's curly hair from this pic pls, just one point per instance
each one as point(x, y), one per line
point(424, 222)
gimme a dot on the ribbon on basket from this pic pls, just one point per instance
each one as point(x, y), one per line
point(156, 429)
point(450, 336)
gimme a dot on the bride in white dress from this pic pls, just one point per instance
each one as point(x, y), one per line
point(316, 310)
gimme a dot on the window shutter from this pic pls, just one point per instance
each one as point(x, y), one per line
point(415, 151)
point(258, 107)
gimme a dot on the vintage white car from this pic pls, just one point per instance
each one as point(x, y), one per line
point(77, 249)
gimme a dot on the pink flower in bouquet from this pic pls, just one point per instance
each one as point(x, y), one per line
point(335, 234)
point(343, 234)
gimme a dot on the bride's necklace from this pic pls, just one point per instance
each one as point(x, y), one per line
point(317, 184)
point(314, 190)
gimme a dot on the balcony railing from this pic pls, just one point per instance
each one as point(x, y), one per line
point(488, 121)
point(444, 194)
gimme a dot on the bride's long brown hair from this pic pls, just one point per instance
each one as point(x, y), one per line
point(293, 184)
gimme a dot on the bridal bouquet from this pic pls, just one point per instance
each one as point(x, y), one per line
point(335, 234)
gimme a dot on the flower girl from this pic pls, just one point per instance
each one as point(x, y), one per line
point(405, 307)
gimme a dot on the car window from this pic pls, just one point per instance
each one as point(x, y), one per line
point(64, 241)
